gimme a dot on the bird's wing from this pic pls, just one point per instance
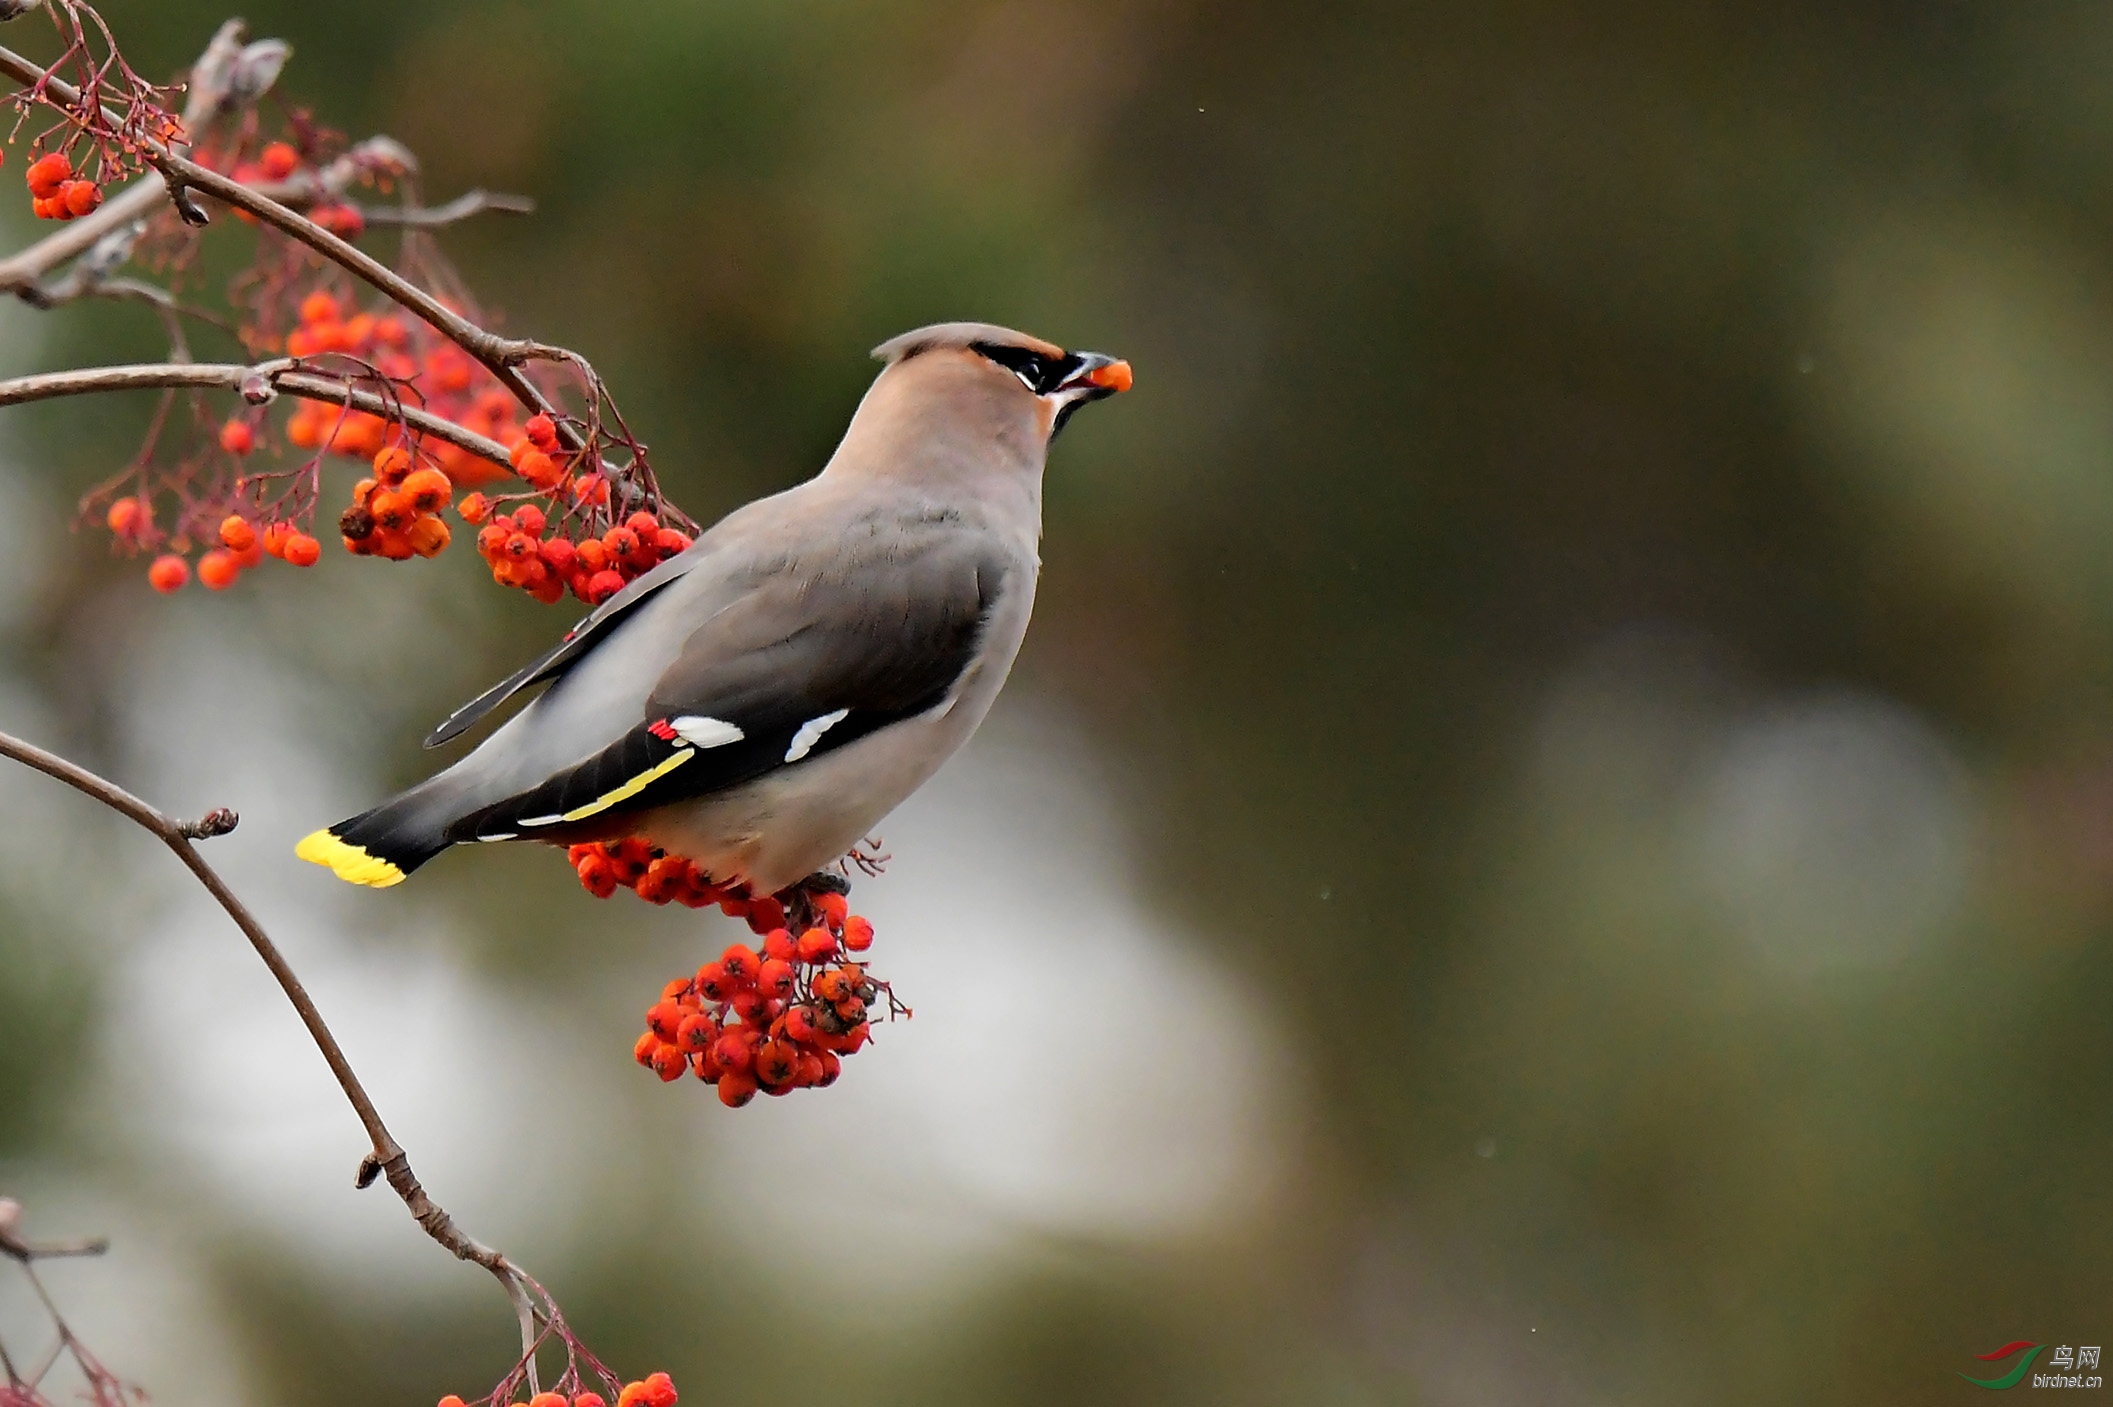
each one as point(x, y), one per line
point(591, 631)
point(795, 667)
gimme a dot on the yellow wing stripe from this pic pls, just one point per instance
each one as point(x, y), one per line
point(631, 788)
point(348, 862)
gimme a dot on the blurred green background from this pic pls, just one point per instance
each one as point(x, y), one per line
point(1552, 840)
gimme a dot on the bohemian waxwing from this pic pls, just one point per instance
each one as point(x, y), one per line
point(757, 703)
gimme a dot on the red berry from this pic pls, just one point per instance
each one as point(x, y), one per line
point(776, 1063)
point(602, 585)
point(82, 197)
point(236, 437)
point(741, 964)
point(774, 978)
point(671, 542)
point(644, 526)
point(47, 173)
point(712, 982)
point(778, 944)
point(669, 1063)
point(732, 1051)
point(126, 517)
point(832, 1066)
point(858, 934)
point(168, 573)
point(278, 161)
point(736, 1089)
point(816, 944)
point(665, 1019)
point(541, 432)
point(218, 569)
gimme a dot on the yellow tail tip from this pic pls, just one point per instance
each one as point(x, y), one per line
point(348, 862)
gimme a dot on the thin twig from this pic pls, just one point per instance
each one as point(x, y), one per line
point(280, 375)
point(386, 1154)
point(502, 356)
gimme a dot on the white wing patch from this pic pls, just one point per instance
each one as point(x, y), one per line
point(811, 733)
point(699, 731)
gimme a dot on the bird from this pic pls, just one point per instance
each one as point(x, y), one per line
point(759, 702)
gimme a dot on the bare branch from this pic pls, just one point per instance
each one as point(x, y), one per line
point(281, 375)
point(395, 1164)
point(502, 356)
point(462, 207)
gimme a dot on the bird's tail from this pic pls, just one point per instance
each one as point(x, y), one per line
point(380, 847)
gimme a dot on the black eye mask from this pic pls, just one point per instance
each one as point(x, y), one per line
point(1037, 373)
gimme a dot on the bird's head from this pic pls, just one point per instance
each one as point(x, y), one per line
point(988, 372)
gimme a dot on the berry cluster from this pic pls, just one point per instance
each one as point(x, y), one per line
point(242, 546)
point(594, 568)
point(404, 351)
point(396, 514)
point(776, 1020)
point(55, 194)
point(656, 1390)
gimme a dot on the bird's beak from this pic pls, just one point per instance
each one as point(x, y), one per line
point(1098, 376)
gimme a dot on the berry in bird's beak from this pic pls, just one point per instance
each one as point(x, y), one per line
point(1113, 378)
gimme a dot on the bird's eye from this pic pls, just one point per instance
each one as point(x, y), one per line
point(1032, 368)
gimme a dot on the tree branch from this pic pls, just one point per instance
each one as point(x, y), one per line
point(386, 1155)
point(282, 375)
point(502, 356)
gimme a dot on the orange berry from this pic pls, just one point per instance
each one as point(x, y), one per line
point(669, 1063)
point(82, 197)
point(774, 978)
point(547, 1399)
point(816, 944)
point(831, 1068)
point(592, 556)
point(733, 1051)
point(558, 555)
point(319, 307)
point(278, 161)
point(858, 934)
point(218, 569)
point(645, 525)
point(541, 432)
point(236, 437)
point(712, 982)
point(602, 585)
point(168, 573)
point(392, 464)
point(665, 1019)
point(394, 544)
point(660, 1390)
point(126, 517)
point(741, 964)
point(622, 544)
point(835, 908)
point(671, 543)
point(429, 536)
point(529, 519)
point(696, 1031)
point(589, 1399)
point(736, 1089)
point(597, 877)
point(538, 468)
point(303, 550)
point(777, 1062)
point(428, 490)
point(275, 536)
point(642, 1052)
point(47, 173)
point(391, 510)
point(236, 534)
point(492, 541)
point(521, 547)
point(800, 1025)
point(778, 944)
point(474, 508)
